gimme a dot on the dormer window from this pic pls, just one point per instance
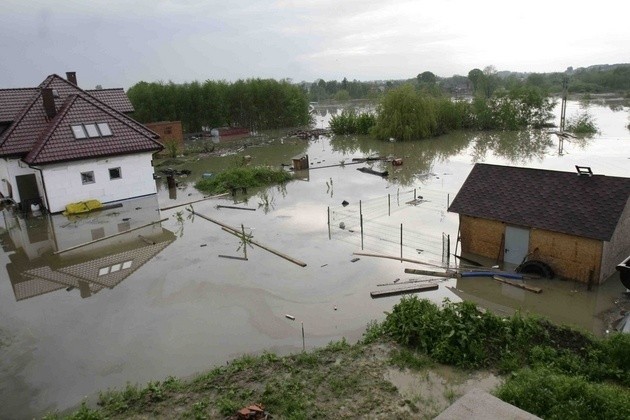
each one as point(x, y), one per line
point(92, 130)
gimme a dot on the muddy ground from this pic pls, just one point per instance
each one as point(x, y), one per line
point(377, 380)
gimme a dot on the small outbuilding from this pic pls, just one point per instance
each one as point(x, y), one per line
point(577, 223)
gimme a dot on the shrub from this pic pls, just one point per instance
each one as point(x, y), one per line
point(556, 396)
point(582, 123)
point(242, 177)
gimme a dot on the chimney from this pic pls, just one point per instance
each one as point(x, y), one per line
point(72, 77)
point(49, 102)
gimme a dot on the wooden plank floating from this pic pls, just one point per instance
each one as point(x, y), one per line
point(232, 257)
point(195, 201)
point(238, 233)
point(367, 254)
point(410, 282)
point(448, 274)
point(107, 237)
point(218, 206)
point(519, 285)
point(402, 291)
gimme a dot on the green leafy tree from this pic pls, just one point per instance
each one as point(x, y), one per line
point(405, 114)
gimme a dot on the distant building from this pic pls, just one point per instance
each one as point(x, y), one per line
point(578, 224)
point(169, 131)
point(61, 144)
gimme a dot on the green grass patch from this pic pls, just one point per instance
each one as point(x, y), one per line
point(242, 177)
point(552, 395)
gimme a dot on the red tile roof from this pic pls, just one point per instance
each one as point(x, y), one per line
point(13, 100)
point(585, 206)
point(58, 144)
point(115, 98)
point(46, 140)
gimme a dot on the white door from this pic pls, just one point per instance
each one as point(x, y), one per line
point(516, 244)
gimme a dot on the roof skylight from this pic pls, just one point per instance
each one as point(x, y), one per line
point(92, 130)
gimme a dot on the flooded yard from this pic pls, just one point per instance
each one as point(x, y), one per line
point(166, 292)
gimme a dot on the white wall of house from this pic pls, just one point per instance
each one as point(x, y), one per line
point(65, 184)
point(11, 168)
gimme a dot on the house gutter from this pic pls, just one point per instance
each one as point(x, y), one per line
point(41, 175)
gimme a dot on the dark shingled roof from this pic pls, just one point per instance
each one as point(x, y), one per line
point(13, 100)
point(115, 98)
point(585, 206)
point(58, 144)
point(43, 140)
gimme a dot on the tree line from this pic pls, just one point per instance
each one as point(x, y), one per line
point(256, 104)
point(409, 112)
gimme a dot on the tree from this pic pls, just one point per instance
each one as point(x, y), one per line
point(427, 78)
point(478, 80)
point(405, 114)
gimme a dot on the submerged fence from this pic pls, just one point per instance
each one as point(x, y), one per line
point(387, 226)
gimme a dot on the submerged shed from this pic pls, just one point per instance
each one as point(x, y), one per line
point(577, 223)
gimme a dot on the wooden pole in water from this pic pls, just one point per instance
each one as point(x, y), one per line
point(107, 237)
point(361, 221)
point(519, 285)
point(401, 243)
point(236, 232)
point(389, 205)
point(303, 341)
point(329, 237)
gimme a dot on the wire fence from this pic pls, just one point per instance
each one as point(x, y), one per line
point(380, 225)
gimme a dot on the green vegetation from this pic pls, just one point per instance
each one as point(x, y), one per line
point(406, 113)
point(581, 123)
point(242, 177)
point(555, 372)
point(552, 395)
point(256, 104)
point(322, 90)
point(348, 122)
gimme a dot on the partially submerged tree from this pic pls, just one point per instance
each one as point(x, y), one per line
point(405, 114)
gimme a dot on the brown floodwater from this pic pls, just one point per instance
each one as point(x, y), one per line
point(167, 292)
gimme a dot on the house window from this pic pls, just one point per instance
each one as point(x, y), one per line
point(98, 233)
point(87, 177)
point(114, 173)
point(92, 130)
point(78, 131)
point(124, 226)
point(104, 129)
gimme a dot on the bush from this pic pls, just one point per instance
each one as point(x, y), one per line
point(348, 122)
point(242, 177)
point(556, 396)
point(582, 123)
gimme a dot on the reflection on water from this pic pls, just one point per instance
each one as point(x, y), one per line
point(563, 302)
point(87, 254)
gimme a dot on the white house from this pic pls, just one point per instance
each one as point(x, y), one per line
point(60, 144)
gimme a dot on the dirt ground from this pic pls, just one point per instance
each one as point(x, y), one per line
point(339, 381)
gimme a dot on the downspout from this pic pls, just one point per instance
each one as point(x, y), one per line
point(41, 176)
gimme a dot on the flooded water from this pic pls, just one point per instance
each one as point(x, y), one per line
point(161, 293)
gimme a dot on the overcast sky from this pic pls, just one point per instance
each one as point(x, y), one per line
point(116, 43)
